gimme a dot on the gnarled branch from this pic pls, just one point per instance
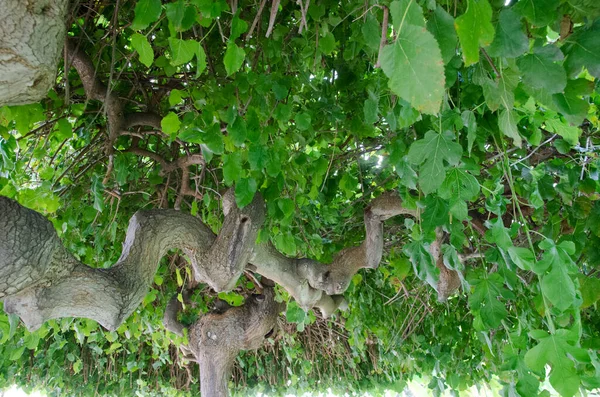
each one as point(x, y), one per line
point(40, 280)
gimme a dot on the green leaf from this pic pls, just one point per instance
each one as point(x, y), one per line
point(257, 156)
point(558, 287)
point(175, 12)
point(237, 131)
point(590, 290)
point(238, 26)
point(303, 121)
point(371, 32)
point(140, 43)
point(485, 299)
point(557, 351)
point(568, 133)
point(432, 152)
point(294, 314)
point(538, 12)
point(146, 12)
point(522, 257)
point(213, 138)
point(287, 206)
point(64, 129)
point(16, 353)
point(232, 168)
point(459, 184)
point(468, 119)
point(370, 109)
point(507, 122)
point(570, 104)
point(406, 12)
point(183, 50)
point(234, 58)
point(415, 68)
point(327, 43)
point(540, 71)
point(422, 261)
point(245, 189)
point(179, 278)
point(582, 49)
point(510, 40)
point(175, 97)
point(170, 123)
point(475, 29)
point(501, 93)
point(201, 61)
point(498, 234)
point(436, 212)
point(441, 25)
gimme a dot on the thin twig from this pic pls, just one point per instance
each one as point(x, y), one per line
point(384, 29)
point(256, 19)
point(272, 17)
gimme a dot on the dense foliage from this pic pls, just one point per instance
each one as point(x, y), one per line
point(482, 115)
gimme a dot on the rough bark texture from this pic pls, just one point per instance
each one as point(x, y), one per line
point(40, 280)
point(449, 279)
point(32, 34)
point(216, 339)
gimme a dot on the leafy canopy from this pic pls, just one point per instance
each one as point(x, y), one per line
point(484, 117)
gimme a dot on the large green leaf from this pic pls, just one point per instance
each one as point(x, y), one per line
point(146, 12)
point(507, 122)
point(234, 58)
point(183, 50)
point(485, 300)
point(459, 184)
point(475, 29)
point(510, 41)
point(406, 12)
point(441, 25)
point(558, 351)
point(540, 70)
point(582, 49)
point(415, 68)
point(538, 12)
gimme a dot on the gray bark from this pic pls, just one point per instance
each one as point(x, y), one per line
point(40, 280)
point(216, 339)
point(32, 34)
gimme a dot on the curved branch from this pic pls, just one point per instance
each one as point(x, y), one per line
point(170, 321)
point(40, 280)
point(95, 89)
point(306, 279)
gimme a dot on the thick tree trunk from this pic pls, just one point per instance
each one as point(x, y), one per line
point(216, 339)
point(32, 35)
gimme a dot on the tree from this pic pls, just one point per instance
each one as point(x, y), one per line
point(227, 137)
